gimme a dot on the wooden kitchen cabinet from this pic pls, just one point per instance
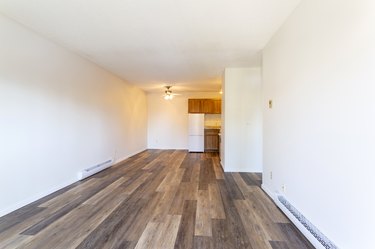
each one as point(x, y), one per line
point(217, 106)
point(207, 106)
point(211, 140)
point(195, 105)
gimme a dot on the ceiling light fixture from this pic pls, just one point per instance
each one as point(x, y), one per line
point(168, 93)
point(168, 97)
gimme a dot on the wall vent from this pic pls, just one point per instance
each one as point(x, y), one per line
point(94, 169)
point(291, 210)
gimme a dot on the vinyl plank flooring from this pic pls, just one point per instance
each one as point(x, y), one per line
point(132, 224)
point(269, 228)
point(216, 203)
point(79, 190)
point(142, 218)
point(69, 207)
point(172, 179)
point(236, 230)
point(231, 186)
point(12, 233)
point(293, 238)
point(162, 208)
point(147, 188)
point(206, 174)
point(189, 160)
point(15, 218)
point(178, 200)
point(149, 236)
point(162, 156)
point(155, 199)
point(203, 242)
point(185, 236)
point(279, 245)
point(245, 189)
point(211, 171)
point(169, 230)
point(221, 235)
point(250, 180)
point(75, 225)
point(160, 235)
point(188, 173)
point(129, 189)
point(203, 215)
point(126, 245)
point(219, 174)
point(269, 207)
point(120, 217)
point(14, 241)
point(258, 237)
point(257, 179)
point(196, 173)
point(106, 191)
point(48, 221)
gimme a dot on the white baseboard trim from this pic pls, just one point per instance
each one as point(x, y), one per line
point(53, 189)
point(300, 227)
point(293, 219)
point(222, 165)
point(167, 148)
point(268, 192)
point(234, 170)
point(126, 157)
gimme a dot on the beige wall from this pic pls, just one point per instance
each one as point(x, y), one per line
point(59, 114)
point(168, 120)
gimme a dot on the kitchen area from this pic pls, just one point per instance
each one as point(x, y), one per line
point(204, 125)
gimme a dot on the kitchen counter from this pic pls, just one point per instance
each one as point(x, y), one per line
point(212, 127)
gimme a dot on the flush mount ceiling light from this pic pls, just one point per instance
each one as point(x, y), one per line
point(168, 93)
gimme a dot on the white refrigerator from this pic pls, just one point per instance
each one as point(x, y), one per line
point(196, 132)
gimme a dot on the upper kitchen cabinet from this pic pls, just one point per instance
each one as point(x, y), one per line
point(195, 105)
point(207, 106)
point(217, 106)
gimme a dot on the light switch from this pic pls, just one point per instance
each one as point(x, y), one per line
point(270, 104)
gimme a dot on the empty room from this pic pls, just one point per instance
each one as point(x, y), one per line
point(176, 124)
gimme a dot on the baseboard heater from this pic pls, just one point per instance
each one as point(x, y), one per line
point(94, 169)
point(317, 238)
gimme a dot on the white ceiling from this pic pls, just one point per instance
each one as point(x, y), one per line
point(151, 43)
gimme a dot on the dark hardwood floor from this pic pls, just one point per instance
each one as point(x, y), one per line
point(155, 199)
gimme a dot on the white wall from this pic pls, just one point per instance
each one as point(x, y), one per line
point(319, 138)
point(58, 115)
point(242, 120)
point(168, 120)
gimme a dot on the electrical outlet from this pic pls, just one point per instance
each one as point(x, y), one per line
point(271, 175)
point(283, 188)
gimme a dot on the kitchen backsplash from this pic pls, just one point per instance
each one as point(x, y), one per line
point(212, 120)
